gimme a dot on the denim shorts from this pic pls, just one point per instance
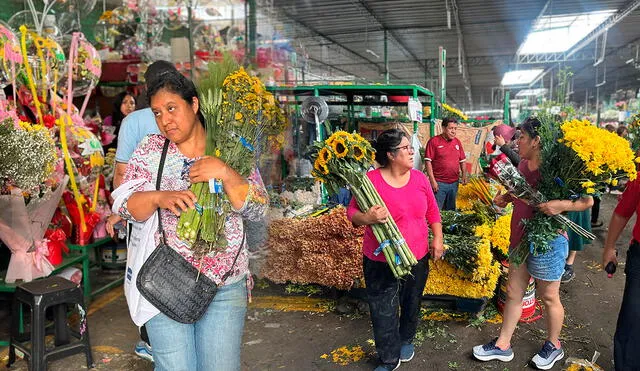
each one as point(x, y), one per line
point(550, 265)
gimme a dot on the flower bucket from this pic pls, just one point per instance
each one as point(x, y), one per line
point(528, 301)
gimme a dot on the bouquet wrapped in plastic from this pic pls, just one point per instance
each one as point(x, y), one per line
point(22, 228)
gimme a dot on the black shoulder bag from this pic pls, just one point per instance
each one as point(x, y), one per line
point(171, 283)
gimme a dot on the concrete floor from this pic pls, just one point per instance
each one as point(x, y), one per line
point(298, 333)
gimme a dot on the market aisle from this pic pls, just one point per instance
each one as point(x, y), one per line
point(299, 333)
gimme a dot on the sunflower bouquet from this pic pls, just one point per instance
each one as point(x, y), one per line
point(240, 116)
point(576, 158)
point(343, 159)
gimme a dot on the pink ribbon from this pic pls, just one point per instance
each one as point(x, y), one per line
point(41, 252)
point(72, 57)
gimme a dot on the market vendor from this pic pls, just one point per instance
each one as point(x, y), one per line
point(627, 335)
point(412, 204)
point(444, 163)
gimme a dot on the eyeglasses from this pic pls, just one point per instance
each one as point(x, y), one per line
point(408, 147)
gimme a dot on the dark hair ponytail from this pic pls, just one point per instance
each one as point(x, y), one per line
point(387, 141)
point(531, 126)
point(176, 83)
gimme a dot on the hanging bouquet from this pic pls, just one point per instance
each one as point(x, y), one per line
point(343, 159)
point(240, 116)
point(576, 156)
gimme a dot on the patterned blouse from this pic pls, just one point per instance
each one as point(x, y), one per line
point(175, 177)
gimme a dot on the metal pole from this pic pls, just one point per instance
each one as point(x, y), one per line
point(598, 106)
point(253, 25)
point(191, 48)
point(551, 87)
point(386, 58)
point(507, 109)
point(443, 74)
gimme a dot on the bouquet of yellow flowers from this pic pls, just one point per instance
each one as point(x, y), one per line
point(343, 159)
point(240, 116)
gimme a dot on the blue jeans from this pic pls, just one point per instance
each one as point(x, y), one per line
point(212, 343)
point(446, 195)
point(627, 336)
point(550, 265)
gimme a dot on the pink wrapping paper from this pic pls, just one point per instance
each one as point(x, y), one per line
point(22, 228)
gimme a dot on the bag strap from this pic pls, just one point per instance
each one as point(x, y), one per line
point(226, 275)
point(163, 157)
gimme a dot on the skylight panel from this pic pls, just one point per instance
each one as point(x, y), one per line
point(557, 34)
point(520, 77)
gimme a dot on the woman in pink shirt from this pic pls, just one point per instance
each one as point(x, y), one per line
point(410, 201)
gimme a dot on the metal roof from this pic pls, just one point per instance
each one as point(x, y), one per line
point(336, 34)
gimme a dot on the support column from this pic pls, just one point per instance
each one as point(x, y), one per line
point(253, 26)
point(386, 58)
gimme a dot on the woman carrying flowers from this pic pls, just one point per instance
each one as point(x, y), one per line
point(397, 182)
point(546, 268)
point(214, 341)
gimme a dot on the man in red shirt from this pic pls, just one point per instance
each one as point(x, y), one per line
point(626, 341)
point(444, 163)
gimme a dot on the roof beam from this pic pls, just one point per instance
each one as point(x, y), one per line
point(291, 19)
point(461, 53)
point(610, 22)
point(487, 60)
point(394, 37)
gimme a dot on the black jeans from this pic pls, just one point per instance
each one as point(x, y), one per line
point(595, 210)
point(394, 306)
point(626, 342)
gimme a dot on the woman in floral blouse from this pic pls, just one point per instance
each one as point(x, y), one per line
point(214, 341)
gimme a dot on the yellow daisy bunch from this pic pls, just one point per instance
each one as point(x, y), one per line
point(604, 154)
point(445, 279)
point(501, 234)
point(465, 197)
point(455, 111)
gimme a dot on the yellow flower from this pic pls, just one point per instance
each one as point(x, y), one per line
point(218, 153)
point(238, 116)
point(614, 182)
point(591, 191)
point(324, 155)
point(358, 152)
point(324, 169)
point(340, 148)
point(587, 184)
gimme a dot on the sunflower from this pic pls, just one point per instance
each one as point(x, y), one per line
point(320, 167)
point(324, 155)
point(324, 169)
point(358, 152)
point(340, 148)
point(238, 116)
